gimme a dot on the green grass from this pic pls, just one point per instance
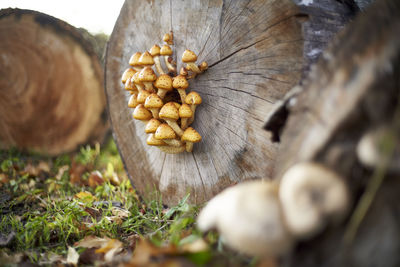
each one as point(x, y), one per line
point(48, 212)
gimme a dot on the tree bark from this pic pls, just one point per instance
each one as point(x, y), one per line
point(255, 54)
point(51, 85)
point(354, 88)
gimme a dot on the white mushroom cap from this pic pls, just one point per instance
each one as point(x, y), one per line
point(312, 196)
point(371, 149)
point(249, 219)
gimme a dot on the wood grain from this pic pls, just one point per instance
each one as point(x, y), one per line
point(51, 92)
point(255, 53)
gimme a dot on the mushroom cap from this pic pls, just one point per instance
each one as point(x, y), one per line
point(168, 38)
point(249, 219)
point(311, 196)
point(130, 85)
point(164, 131)
point(180, 82)
point(155, 50)
point(141, 113)
point(203, 66)
point(152, 125)
point(153, 101)
point(185, 111)
point(142, 96)
point(134, 60)
point(146, 59)
point(177, 105)
point(164, 81)
point(165, 50)
point(132, 103)
point(189, 56)
point(169, 111)
point(128, 73)
point(152, 141)
point(135, 78)
point(371, 150)
point(147, 75)
point(193, 98)
point(191, 135)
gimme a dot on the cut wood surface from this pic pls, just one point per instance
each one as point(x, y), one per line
point(51, 85)
point(254, 50)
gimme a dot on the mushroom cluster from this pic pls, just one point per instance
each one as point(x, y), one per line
point(266, 218)
point(167, 113)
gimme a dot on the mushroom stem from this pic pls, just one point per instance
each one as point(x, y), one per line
point(193, 108)
point(155, 112)
point(149, 87)
point(162, 92)
point(182, 93)
point(189, 146)
point(170, 67)
point(184, 123)
point(193, 67)
point(157, 62)
point(174, 125)
point(173, 142)
point(172, 149)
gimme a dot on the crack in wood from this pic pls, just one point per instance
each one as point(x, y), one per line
point(201, 178)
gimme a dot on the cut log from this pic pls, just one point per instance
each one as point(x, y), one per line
point(51, 85)
point(354, 88)
point(254, 50)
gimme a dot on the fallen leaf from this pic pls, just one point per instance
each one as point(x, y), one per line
point(95, 179)
point(5, 240)
point(73, 256)
point(35, 170)
point(109, 247)
point(89, 257)
point(61, 171)
point(75, 172)
point(3, 179)
point(85, 196)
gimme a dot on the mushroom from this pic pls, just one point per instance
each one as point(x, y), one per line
point(166, 133)
point(128, 73)
point(379, 148)
point(130, 85)
point(139, 85)
point(164, 147)
point(164, 85)
point(146, 60)
point(185, 112)
point(134, 61)
point(153, 103)
point(151, 126)
point(155, 52)
point(152, 141)
point(169, 38)
point(180, 83)
point(132, 103)
point(142, 96)
point(166, 51)
point(170, 114)
point(147, 77)
point(190, 136)
point(193, 99)
point(183, 72)
point(189, 57)
point(141, 113)
point(203, 66)
point(249, 218)
point(311, 197)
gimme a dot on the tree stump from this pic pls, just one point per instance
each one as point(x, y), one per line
point(354, 88)
point(255, 54)
point(51, 85)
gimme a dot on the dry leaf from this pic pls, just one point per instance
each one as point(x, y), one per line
point(61, 171)
point(95, 179)
point(3, 179)
point(85, 196)
point(33, 170)
point(73, 256)
point(110, 247)
point(76, 171)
